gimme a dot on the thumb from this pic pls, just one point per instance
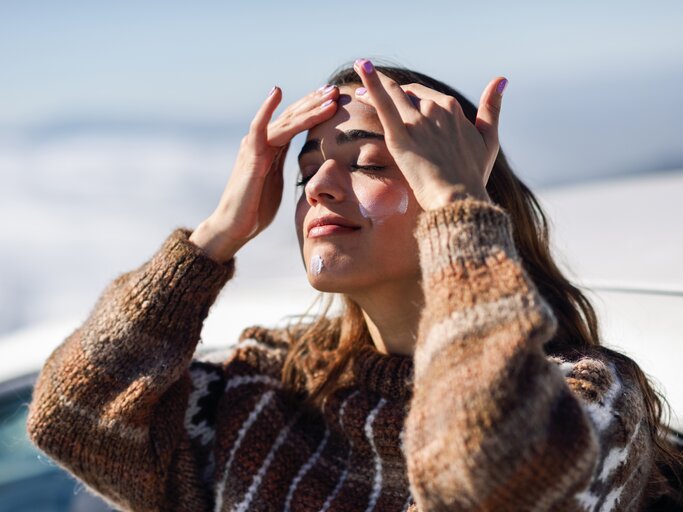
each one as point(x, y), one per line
point(489, 111)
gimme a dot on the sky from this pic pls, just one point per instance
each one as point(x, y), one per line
point(216, 60)
point(120, 120)
point(591, 83)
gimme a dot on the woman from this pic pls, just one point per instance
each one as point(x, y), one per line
point(464, 372)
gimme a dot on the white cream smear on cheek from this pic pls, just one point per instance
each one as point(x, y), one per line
point(316, 264)
point(378, 212)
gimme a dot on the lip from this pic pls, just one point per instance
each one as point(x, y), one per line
point(329, 224)
point(329, 229)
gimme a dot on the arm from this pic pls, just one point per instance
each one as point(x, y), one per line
point(494, 425)
point(110, 402)
point(116, 403)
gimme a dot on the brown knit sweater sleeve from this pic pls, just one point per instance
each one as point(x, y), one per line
point(110, 402)
point(494, 424)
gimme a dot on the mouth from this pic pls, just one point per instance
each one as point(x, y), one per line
point(330, 224)
point(331, 229)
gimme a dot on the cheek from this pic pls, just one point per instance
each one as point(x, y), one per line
point(380, 202)
point(299, 217)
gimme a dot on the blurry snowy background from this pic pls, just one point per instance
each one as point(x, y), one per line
point(119, 120)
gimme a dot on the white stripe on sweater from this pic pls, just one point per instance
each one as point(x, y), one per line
point(614, 459)
point(304, 469)
point(343, 476)
point(236, 382)
point(201, 379)
point(407, 503)
point(338, 487)
point(342, 407)
point(258, 478)
point(617, 456)
point(260, 405)
point(369, 434)
point(602, 413)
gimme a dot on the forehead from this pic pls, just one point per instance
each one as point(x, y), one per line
point(351, 114)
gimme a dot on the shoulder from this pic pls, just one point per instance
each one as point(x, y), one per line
point(259, 349)
point(255, 359)
point(608, 386)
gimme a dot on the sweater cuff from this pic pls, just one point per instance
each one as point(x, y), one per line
point(464, 233)
point(178, 285)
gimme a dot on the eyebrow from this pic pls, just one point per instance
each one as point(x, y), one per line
point(342, 138)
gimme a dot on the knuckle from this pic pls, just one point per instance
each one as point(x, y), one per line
point(393, 86)
point(253, 126)
point(429, 106)
point(452, 104)
point(494, 107)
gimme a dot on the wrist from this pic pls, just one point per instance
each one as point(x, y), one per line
point(217, 246)
point(449, 195)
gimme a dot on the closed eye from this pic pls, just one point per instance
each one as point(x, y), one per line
point(304, 179)
point(367, 167)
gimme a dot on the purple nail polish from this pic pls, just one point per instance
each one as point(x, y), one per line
point(328, 89)
point(368, 67)
point(321, 89)
point(360, 91)
point(272, 91)
point(501, 85)
point(327, 103)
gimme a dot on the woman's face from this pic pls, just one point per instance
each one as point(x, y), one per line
point(349, 173)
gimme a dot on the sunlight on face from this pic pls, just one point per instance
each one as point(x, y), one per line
point(348, 172)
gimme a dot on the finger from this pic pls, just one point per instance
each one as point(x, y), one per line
point(387, 97)
point(257, 129)
point(361, 94)
point(443, 100)
point(315, 97)
point(489, 111)
point(287, 126)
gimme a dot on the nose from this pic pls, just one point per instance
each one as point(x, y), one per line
point(327, 184)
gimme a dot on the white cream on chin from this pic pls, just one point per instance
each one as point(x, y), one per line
point(316, 264)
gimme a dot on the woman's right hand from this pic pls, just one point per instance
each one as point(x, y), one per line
point(253, 193)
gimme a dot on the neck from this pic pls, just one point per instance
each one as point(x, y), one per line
point(392, 313)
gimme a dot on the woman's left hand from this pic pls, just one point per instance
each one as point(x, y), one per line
point(439, 151)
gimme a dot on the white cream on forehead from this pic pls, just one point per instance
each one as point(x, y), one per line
point(376, 211)
point(316, 264)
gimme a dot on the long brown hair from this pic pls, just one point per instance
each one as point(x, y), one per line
point(321, 351)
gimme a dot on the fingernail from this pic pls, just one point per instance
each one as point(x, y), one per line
point(501, 86)
point(327, 103)
point(321, 89)
point(360, 91)
point(328, 89)
point(365, 64)
point(272, 91)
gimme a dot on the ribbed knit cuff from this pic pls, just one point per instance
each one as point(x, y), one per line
point(468, 230)
point(178, 285)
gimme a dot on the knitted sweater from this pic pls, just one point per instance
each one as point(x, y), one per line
point(479, 418)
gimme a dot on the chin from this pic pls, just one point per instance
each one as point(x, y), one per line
point(333, 271)
point(327, 283)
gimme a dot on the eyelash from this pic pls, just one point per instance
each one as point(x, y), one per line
point(304, 180)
